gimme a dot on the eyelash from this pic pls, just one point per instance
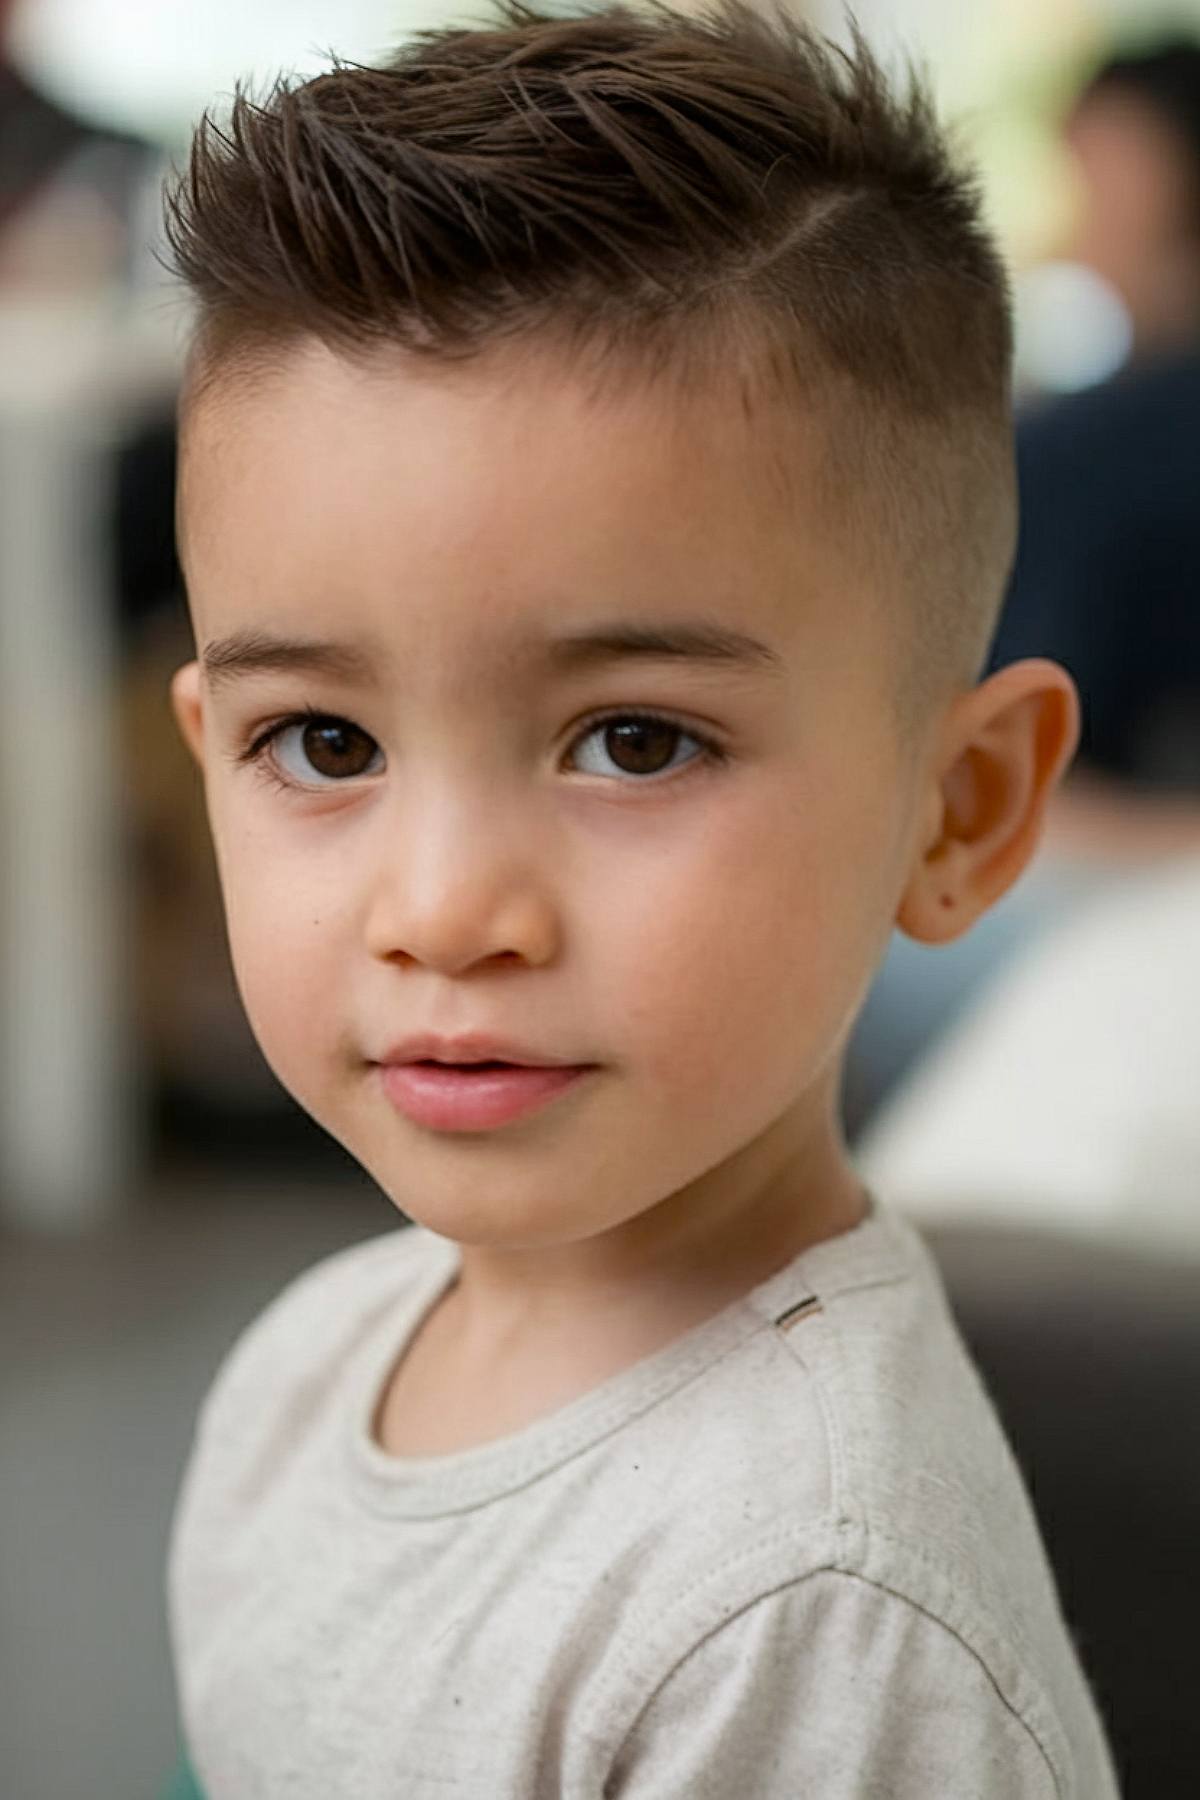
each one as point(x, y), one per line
point(257, 754)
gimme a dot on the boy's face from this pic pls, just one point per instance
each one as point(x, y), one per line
point(473, 848)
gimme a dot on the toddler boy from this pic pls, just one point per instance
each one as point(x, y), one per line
point(595, 501)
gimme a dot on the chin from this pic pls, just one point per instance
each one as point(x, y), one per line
point(495, 1221)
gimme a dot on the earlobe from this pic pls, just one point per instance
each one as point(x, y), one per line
point(189, 712)
point(1006, 746)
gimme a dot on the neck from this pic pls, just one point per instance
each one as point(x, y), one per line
point(678, 1261)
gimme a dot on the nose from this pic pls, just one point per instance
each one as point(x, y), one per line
point(459, 885)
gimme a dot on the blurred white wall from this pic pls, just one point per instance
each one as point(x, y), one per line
point(152, 65)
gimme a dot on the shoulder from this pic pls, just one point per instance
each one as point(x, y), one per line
point(317, 1320)
point(843, 1687)
point(857, 1525)
point(845, 1427)
point(851, 1411)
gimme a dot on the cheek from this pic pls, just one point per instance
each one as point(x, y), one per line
point(284, 954)
point(737, 959)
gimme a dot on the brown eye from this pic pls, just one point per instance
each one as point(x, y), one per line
point(641, 746)
point(327, 748)
point(636, 744)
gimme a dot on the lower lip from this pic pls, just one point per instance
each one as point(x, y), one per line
point(450, 1099)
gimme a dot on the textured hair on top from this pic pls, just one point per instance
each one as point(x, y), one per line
point(656, 192)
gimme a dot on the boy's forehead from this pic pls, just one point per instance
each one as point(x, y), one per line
point(324, 482)
point(732, 433)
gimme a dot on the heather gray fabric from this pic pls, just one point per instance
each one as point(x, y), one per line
point(788, 1556)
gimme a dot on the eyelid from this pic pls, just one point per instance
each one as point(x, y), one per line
point(263, 735)
point(257, 751)
point(712, 750)
point(663, 715)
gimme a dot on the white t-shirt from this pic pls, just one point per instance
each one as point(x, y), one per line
point(787, 1557)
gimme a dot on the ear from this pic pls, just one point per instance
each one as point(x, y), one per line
point(1003, 748)
point(189, 712)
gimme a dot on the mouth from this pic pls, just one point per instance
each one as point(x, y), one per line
point(473, 1068)
point(475, 1096)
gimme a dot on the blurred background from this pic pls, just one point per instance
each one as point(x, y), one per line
point(1031, 1095)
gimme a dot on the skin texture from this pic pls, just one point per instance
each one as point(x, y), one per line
point(705, 934)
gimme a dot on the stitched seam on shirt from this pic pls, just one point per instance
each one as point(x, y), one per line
point(619, 1414)
point(1021, 1645)
point(926, 1556)
point(822, 1329)
point(882, 1587)
point(829, 1323)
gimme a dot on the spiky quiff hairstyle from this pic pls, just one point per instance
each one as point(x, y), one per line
point(657, 194)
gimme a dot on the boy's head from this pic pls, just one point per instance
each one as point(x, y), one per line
point(625, 400)
point(720, 205)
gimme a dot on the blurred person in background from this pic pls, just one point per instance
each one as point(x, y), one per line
point(1108, 568)
point(1107, 575)
point(1133, 135)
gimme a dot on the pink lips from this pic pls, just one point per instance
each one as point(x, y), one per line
point(465, 1098)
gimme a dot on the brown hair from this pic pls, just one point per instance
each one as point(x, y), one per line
point(654, 190)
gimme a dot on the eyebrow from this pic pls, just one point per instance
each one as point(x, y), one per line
point(680, 641)
point(255, 652)
point(258, 652)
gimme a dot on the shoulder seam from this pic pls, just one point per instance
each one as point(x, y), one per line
point(791, 1583)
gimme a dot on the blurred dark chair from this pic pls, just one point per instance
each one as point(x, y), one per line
point(1092, 1356)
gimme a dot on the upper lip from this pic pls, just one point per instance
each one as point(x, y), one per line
point(470, 1047)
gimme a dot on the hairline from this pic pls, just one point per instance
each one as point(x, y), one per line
point(770, 368)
